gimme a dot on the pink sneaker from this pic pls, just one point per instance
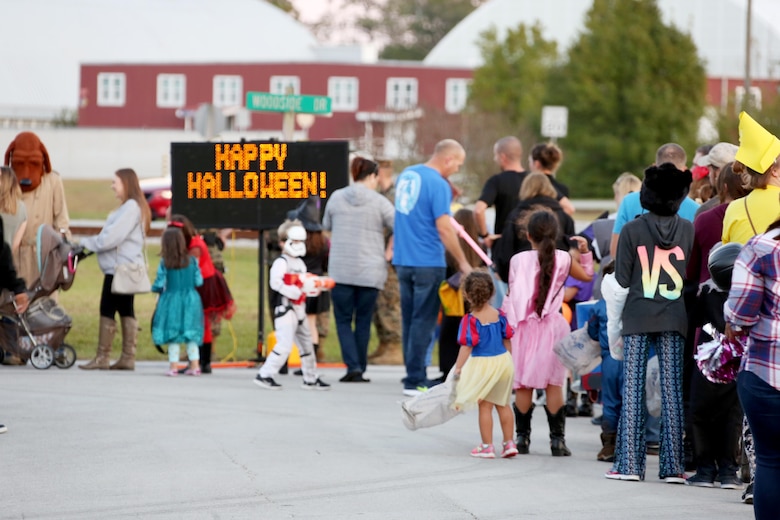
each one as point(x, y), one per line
point(510, 450)
point(172, 373)
point(192, 371)
point(484, 451)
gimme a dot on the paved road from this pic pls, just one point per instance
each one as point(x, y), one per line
point(85, 445)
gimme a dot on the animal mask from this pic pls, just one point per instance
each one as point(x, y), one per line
point(29, 160)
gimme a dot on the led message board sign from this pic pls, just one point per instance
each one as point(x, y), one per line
point(253, 184)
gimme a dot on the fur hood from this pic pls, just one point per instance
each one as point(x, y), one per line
point(664, 189)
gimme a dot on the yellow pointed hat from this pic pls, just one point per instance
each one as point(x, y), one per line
point(758, 149)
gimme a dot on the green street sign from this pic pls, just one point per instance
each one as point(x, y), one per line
point(267, 102)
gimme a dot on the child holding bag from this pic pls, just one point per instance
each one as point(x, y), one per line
point(484, 365)
point(179, 314)
point(536, 280)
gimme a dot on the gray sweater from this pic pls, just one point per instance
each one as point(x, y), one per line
point(121, 241)
point(357, 218)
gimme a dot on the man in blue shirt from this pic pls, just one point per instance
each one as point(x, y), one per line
point(422, 232)
point(631, 208)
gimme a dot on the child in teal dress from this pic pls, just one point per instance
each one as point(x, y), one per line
point(484, 367)
point(179, 314)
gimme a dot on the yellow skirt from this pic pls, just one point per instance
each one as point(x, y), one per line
point(485, 379)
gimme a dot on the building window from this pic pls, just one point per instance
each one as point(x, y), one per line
point(111, 89)
point(280, 85)
point(401, 93)
point(755, 97)
point(171, 90)
point(456, 93)
point(228, 91)
point(343, 93)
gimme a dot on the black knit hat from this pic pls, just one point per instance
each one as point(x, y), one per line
point(664, 189)
point(308, 213)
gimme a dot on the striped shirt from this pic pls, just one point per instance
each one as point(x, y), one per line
point(754, 301)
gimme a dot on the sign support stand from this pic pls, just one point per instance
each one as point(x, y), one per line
point(261, 296)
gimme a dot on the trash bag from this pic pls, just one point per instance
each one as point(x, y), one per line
point(431, 408)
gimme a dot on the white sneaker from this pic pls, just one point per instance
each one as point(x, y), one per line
point(3, 428)
point(412, 392)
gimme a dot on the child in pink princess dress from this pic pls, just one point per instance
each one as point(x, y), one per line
point(536, 280)
point(484, 366)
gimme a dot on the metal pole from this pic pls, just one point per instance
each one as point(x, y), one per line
point(746, 101)
point(261, 295)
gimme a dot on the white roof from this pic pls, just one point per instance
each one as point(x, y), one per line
point(45, 41)
point(717, 27)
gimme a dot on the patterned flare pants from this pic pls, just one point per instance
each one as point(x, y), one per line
point(630, 451)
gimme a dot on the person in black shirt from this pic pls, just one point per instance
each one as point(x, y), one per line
point(545, 158)
point(502, 190)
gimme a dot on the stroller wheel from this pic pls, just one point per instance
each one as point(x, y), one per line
point(65, 356)
point(42, 357)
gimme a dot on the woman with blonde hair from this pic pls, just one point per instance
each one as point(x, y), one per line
point(536, 192)
point(12, 210)
point(626, 183)
point(121, 241)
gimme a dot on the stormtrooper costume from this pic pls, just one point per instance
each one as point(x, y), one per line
point(289, 313)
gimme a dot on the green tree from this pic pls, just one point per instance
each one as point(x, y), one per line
point(631, 84)
point(514, 76)
point(286, 6)
point(410, 28)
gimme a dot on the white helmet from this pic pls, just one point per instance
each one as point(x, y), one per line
point(295, 245)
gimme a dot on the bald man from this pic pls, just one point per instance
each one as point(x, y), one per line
point(423, 231)
point(502, 190)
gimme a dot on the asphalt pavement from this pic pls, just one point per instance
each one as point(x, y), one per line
point(96, 445)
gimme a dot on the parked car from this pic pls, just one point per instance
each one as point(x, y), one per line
point(158, 194)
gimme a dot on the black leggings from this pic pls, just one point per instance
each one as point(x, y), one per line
point(111, 303)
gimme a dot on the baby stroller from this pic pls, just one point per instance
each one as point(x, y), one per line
point(39, 333)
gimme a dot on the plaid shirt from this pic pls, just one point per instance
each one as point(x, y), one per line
point(754, 301)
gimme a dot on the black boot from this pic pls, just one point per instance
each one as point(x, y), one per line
point(571, 401)
point(586, 407)
point(557, 424)
point(523, 428)
point(205, 358)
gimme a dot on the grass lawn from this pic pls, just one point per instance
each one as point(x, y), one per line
point(83, 299)
point(89, 199)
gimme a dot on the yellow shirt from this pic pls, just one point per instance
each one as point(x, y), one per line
point(763, 206)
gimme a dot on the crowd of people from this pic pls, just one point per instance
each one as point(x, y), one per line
point(393, 249)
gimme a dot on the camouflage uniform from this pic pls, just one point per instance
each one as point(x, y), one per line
point(387, 314)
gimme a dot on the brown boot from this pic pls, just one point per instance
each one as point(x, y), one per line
point(607, 453)
point(105, 340)
point(129, 333)
point(391, 356)
point(380, 350)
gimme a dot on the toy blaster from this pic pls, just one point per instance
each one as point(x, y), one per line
point(310, 284)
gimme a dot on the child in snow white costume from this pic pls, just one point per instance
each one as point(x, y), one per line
point(286, 278)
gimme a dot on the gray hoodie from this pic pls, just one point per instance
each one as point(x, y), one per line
point(357, 217)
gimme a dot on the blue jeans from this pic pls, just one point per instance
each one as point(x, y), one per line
point(353, 303)
point(611, 392)
point(761, 403)
point(419, 309)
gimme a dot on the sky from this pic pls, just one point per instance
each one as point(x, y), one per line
point(313, 11)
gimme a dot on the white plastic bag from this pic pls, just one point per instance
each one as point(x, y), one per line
point(653, 387)
point(431, 408)
point(578, 352)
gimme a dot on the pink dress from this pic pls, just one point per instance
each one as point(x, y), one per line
point(536, 365)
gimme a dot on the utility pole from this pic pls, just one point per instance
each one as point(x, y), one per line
point(747, 100)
